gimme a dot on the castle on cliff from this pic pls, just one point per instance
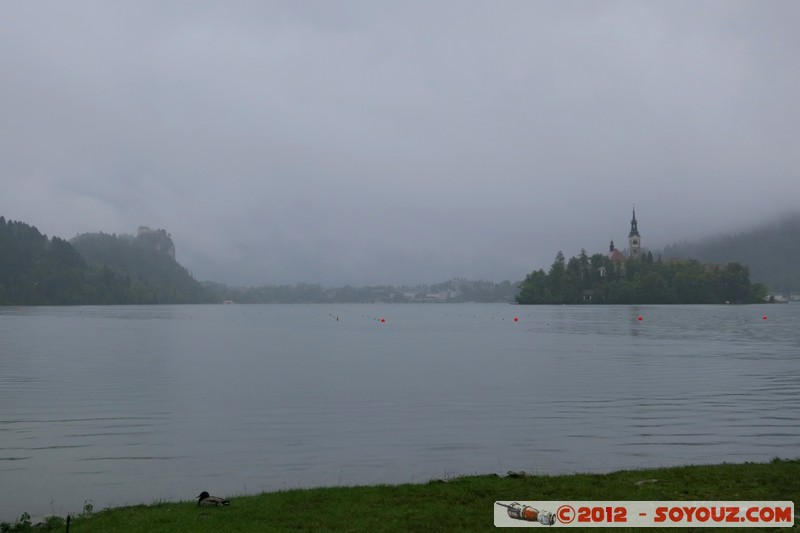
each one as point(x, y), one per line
point(158, 239)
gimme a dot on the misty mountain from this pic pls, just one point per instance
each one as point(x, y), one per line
point(771, 251)
point(147, 260)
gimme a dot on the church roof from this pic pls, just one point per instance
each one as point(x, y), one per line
point(616, 256)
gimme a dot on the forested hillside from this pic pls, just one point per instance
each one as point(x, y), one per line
point(101, 269)
point(35, 270)
point(771, 252)
point(148, 261)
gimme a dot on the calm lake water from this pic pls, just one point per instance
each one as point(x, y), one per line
point(125, 405)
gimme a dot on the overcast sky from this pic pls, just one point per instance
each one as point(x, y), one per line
point(363, 142)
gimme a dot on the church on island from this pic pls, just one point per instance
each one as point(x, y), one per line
point(631, 276)
point(634, 244)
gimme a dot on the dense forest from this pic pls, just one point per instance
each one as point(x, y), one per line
point(35, 270)
point(100, 269)
point(598, 280)
point(771, 251)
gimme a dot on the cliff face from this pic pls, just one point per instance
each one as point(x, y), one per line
point(156, 239)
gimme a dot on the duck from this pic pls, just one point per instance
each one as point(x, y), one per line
point(205, 499)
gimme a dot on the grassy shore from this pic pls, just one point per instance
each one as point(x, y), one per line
point(459, 504)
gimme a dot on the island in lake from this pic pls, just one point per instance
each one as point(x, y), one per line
point(637, 278)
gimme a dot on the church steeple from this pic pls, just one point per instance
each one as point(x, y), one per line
point(634, 230)
point(634, 239)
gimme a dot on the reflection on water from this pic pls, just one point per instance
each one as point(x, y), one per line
point(134, 404)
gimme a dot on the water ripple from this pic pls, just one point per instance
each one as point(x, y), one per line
point(124, 404)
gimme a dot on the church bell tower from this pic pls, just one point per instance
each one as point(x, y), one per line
point(634, 239)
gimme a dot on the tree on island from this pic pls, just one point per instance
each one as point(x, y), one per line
point(599, 280)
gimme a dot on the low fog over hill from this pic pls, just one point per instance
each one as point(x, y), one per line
point(771, 251)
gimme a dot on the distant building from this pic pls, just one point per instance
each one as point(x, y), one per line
point(634, 244)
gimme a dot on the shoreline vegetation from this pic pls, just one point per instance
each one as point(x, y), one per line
point(103, 269)
point(452, 504)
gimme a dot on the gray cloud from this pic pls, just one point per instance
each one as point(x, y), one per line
point(356, 142)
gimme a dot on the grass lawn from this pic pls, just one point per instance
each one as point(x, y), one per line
point(459, 504)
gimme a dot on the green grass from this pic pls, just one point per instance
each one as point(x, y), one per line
point(460, 504)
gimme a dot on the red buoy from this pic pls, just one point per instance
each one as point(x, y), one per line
point(640, 318)
point(383, 320)
point(516, 319)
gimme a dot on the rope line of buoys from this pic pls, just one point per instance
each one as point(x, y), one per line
point(337, 314)
point(516, 319)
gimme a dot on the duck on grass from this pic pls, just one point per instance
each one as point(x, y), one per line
point(204, 499)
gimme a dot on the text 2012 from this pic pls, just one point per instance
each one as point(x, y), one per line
point(592, 515)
